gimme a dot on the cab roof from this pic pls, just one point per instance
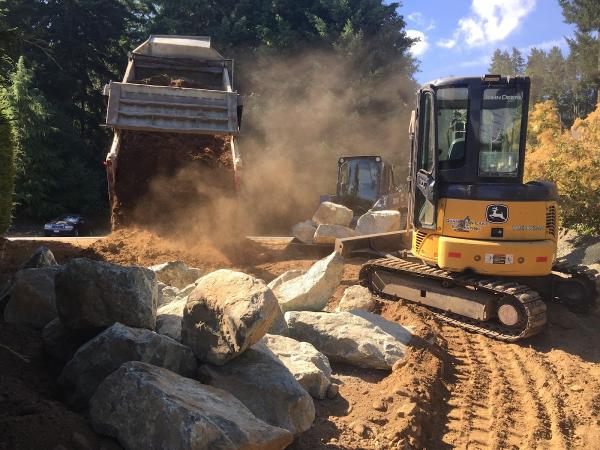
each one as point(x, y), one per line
point(453, 81)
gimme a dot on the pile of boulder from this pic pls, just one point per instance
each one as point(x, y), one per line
point(168, 357)
point(332, 221)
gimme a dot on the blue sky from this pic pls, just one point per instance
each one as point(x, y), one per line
point(458, 37)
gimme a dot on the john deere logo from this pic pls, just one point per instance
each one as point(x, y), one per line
point(496, 213)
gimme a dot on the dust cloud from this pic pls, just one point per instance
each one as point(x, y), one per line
point(301, 114)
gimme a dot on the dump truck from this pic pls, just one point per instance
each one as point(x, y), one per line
point(175, 118)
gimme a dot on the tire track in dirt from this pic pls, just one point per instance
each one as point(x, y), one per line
point(505, 425)
point(502, 396)
point(469, 404)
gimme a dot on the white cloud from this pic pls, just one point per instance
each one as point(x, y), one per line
point(446, 43)
point(423, 23)
point(546, 45)
point(490, 21)
point(420, 47)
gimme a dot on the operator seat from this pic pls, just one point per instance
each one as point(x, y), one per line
point(457, 149)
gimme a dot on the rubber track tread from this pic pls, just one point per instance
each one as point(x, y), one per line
point(584, 272)
point(530, 300)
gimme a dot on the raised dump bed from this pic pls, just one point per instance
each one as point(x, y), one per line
point(175, 111)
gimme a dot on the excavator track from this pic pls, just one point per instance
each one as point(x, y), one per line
point(531, 303)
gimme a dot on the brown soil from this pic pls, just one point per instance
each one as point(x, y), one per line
point(541, 393)
point(32, 417)
point(159, 175)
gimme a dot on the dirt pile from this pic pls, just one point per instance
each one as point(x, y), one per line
point(164, 178)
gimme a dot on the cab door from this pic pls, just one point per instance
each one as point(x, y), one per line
point(425, 163)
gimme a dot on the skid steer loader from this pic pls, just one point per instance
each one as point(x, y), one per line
point(479, 245)
point(366, 183)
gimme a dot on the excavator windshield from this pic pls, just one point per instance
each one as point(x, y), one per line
point(500, 131)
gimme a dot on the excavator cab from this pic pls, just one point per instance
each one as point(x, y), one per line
point(470, 208)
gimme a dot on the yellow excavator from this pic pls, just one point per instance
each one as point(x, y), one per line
point(479, 246)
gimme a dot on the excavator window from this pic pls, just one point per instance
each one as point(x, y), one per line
point(500, 132)
point(452, 104)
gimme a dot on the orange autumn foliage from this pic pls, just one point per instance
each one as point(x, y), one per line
point(571, 159)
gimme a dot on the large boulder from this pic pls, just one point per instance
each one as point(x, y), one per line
point(176, 273)
point(32, 300)
point(261, 382)
point(59, 342)
point(227, 312)
point(42, 257)
point(308, 365)
point(147, 408)
point(102, 355)
point(92, 295)
point(311, 291)
point(332, 213)
point(355, 298)
point(360, 338)
point(168, 318)
point(166, 294)
point(285, 276)
point(304, 231)
point(373, 222)
point(327, 233)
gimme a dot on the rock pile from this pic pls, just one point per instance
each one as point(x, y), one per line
point(201, 365)
point(332, 221)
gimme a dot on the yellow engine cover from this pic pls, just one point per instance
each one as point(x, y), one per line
point(491, 237)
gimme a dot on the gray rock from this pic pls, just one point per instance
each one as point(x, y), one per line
point(332, 213)
point(261, 382)
point(359, 338)
point(150, 408)
point(356, 298)
point(101, 356)
point(92, 295)
point(373, 222)
point(327, 233)
point(279, 325)
point(60, 343)
point(227, 313)
point(166, 294)
point(312, 291)
point(32, 300)
point(176, 273)
point(42, 257)
point(308, 365)
point(285, 276)
point(168, 319)
point(304, 231)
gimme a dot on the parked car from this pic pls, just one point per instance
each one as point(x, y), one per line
point(67, 225)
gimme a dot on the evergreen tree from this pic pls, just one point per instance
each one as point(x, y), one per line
point(35, 140)
point(537, 70)
point(585, 14)
point(517, 63)
point(501, 63)
point(7, 164)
